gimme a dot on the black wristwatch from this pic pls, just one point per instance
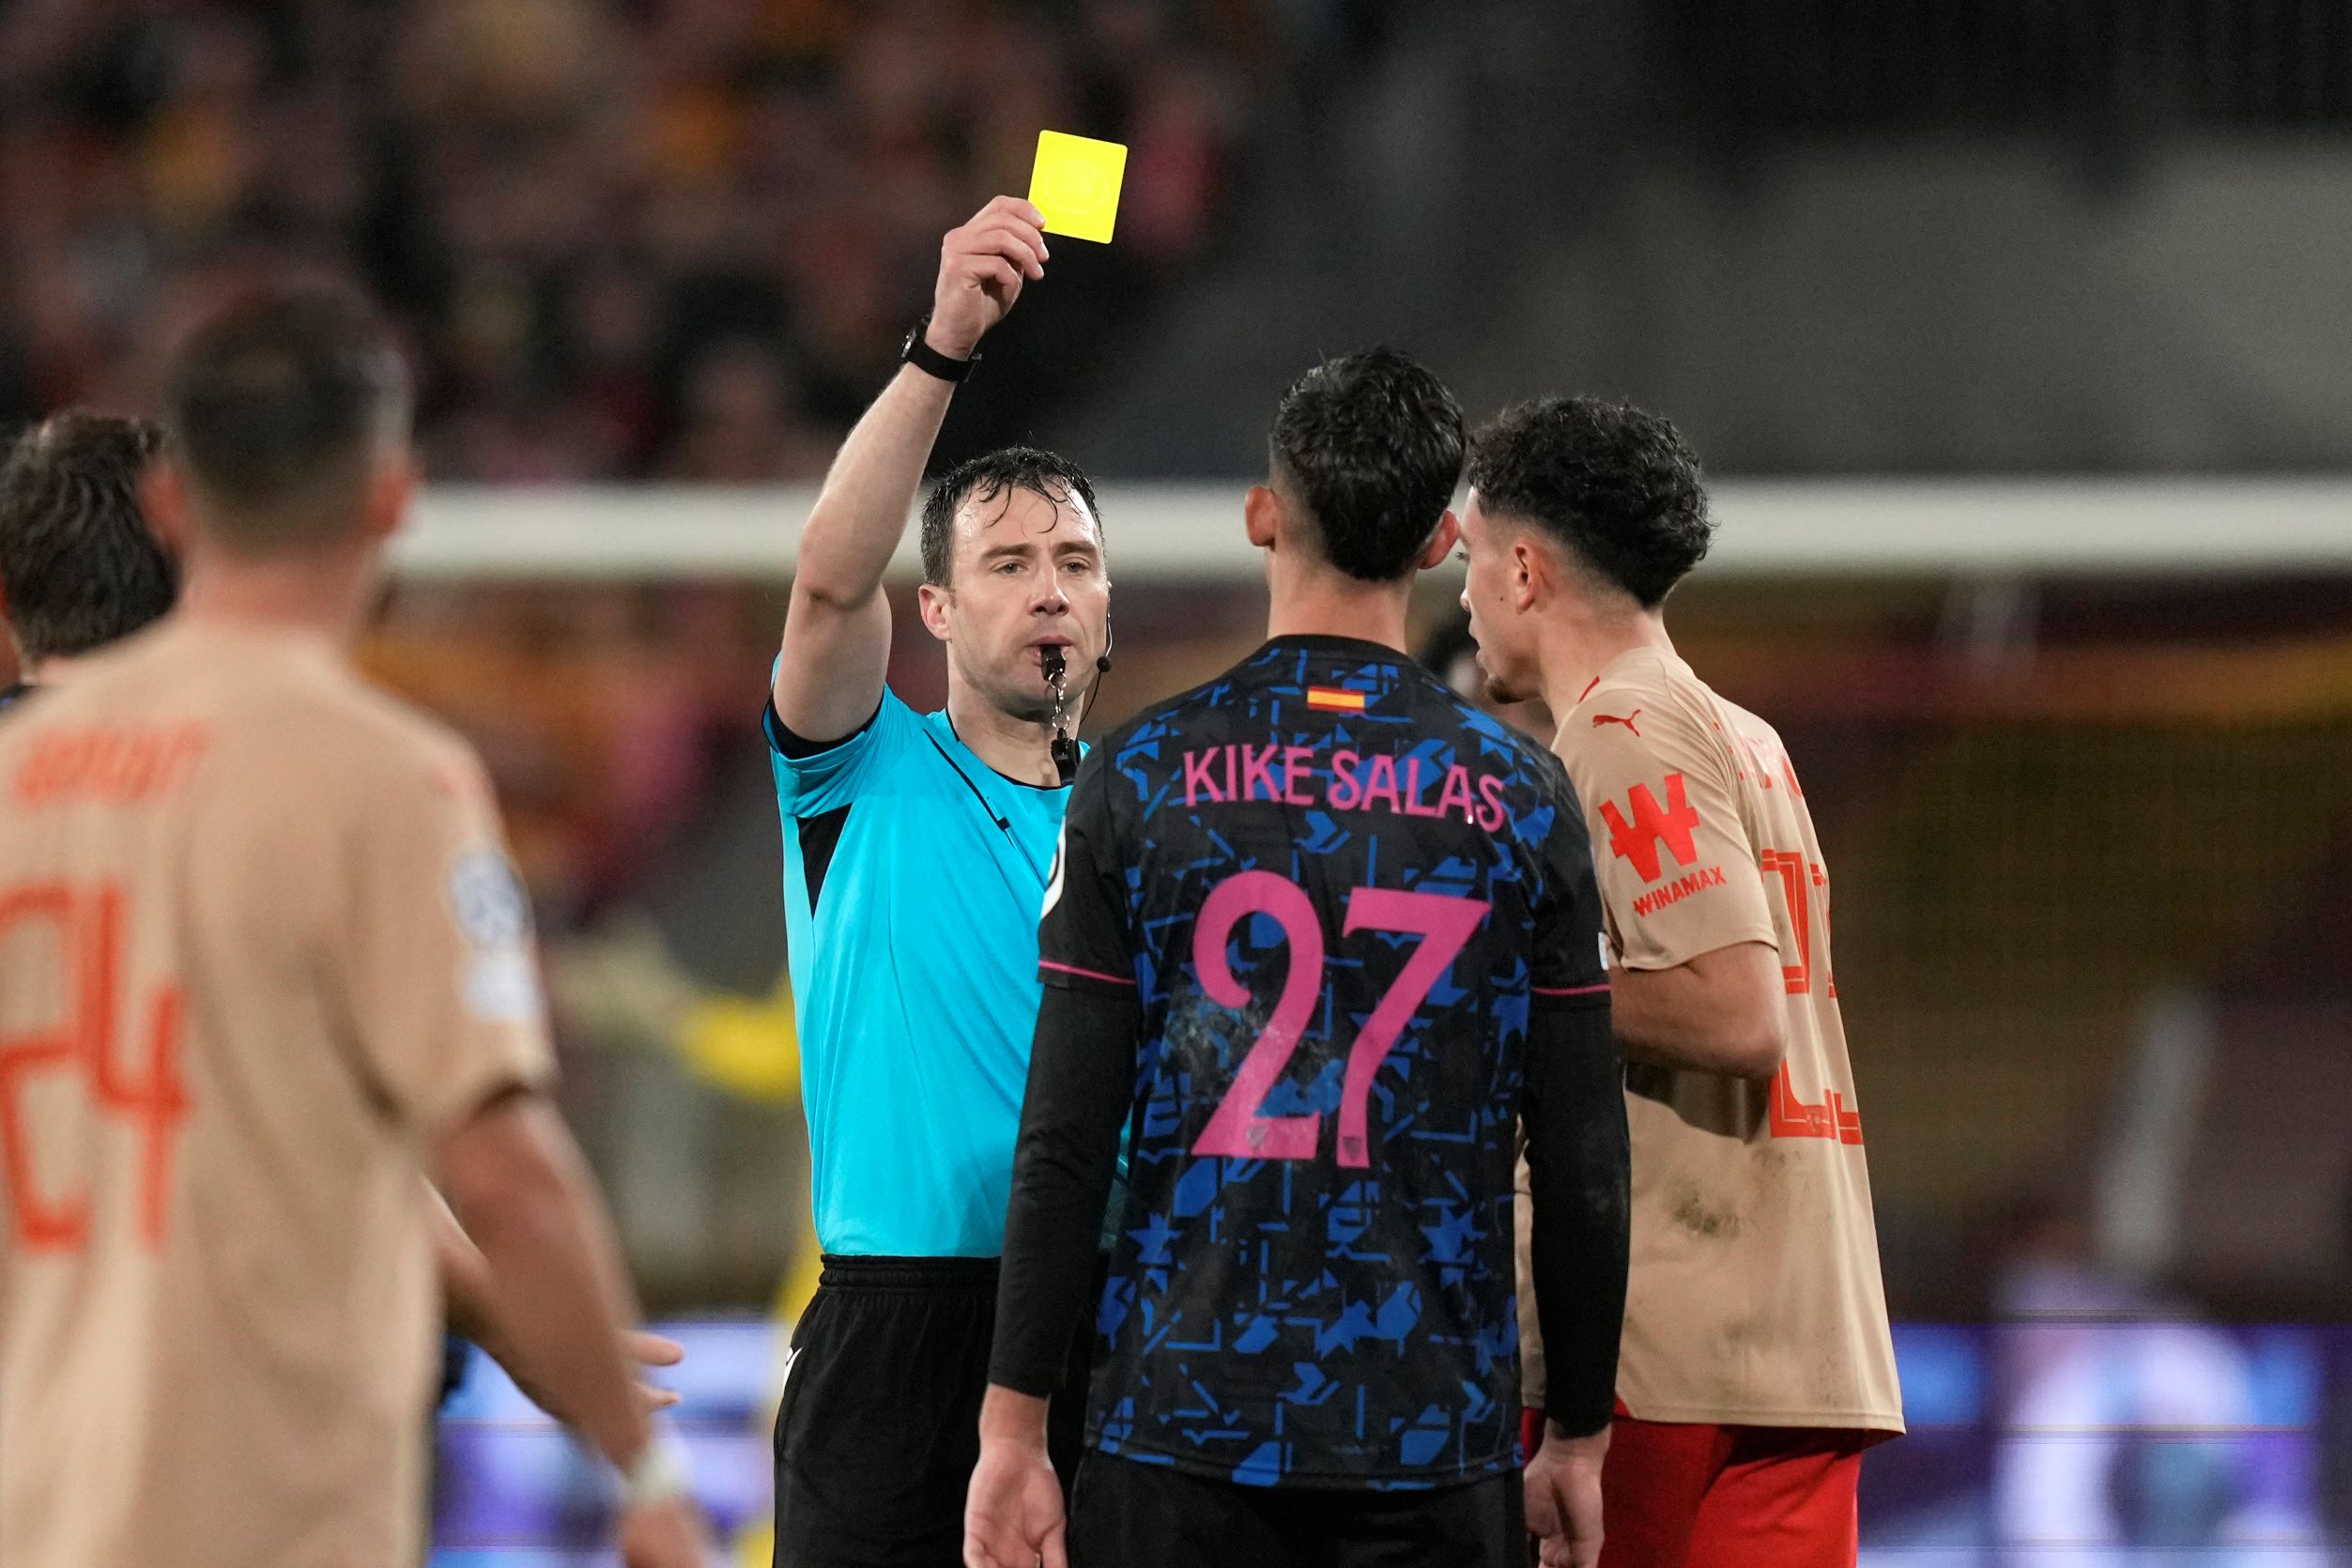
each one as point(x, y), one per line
point(930, 361)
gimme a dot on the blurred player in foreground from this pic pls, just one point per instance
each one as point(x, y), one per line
point(916, 849)
point(80, 569)
point(260, 948)
point(1328, 930)
point(79, 566)
point(1757, 1363)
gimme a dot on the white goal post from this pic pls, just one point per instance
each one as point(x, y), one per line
point(2161, 526)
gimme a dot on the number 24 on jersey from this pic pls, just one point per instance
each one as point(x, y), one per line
point(84, 928)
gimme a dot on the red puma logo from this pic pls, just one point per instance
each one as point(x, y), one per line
point(1599, 720)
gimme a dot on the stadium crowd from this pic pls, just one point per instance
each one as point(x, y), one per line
point(627, 238)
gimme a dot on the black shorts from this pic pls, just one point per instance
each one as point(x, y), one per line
point(1127, 1515)
point(880, 1424)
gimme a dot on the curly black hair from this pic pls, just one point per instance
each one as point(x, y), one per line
point(1619, 487)
point(1372, 444)
point(78, 564)
point(983, 479)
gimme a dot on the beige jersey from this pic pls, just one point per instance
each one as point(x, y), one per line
point(259, 945)
point(1755, 1295)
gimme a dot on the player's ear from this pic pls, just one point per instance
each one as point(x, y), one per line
point(1532, 575)
point(163, 501)
point(1442, 542)
point(932, 601)
point(1261, 516)
point(390, 489)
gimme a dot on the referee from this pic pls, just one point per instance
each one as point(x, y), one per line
point(916, 852)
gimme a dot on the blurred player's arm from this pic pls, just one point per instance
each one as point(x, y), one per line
point(443, 994)
point(837, 628)
point(549, 1285)
point(1697, 983)
point(467, 1303)
point(553, 1275)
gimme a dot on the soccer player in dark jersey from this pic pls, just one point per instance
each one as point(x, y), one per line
point(1327, 931)
point(79, 566)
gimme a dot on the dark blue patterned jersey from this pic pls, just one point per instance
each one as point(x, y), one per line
point(1337, 889)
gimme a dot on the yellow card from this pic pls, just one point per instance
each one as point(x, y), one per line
point(1076, 184)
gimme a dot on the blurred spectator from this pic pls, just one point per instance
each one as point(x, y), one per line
point(627, 238)
point(741, 424)
point(1451, 653)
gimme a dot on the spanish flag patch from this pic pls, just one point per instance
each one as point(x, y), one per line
point(1333, 699)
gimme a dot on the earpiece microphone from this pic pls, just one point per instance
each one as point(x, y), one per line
point(1108, 638)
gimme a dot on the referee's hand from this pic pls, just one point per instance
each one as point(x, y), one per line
point(1012, 1516)
point(982, 266)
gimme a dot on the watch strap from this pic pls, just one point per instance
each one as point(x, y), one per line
point(930, 361)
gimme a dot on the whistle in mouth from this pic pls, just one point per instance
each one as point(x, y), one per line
point(1055, 662)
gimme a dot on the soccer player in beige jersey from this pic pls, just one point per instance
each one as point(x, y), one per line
point(262, 959)
point(1756, 1364)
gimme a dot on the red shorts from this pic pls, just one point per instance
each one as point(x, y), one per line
point(1685, 1495)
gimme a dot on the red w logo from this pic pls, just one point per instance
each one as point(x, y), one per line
point(1639, 839)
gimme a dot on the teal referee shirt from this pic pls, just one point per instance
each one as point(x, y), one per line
point(913, 873)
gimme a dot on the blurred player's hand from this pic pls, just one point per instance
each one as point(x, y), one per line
point(665, 1534)
point(1012, 1516)
point(653, 1350)
point(982, 266)
point(1564, 1499)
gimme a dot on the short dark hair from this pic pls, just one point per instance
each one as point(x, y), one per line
point(280, 403)
point(1619, 487)
point(983, 479)
point(1371, 445)
point(79, 566)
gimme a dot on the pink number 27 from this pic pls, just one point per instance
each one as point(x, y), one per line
point(1236, 1129)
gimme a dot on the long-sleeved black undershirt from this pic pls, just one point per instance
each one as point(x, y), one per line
point(1082, 1076)
point(1579, 1178)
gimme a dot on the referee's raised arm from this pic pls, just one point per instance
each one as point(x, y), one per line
point(837, 632)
